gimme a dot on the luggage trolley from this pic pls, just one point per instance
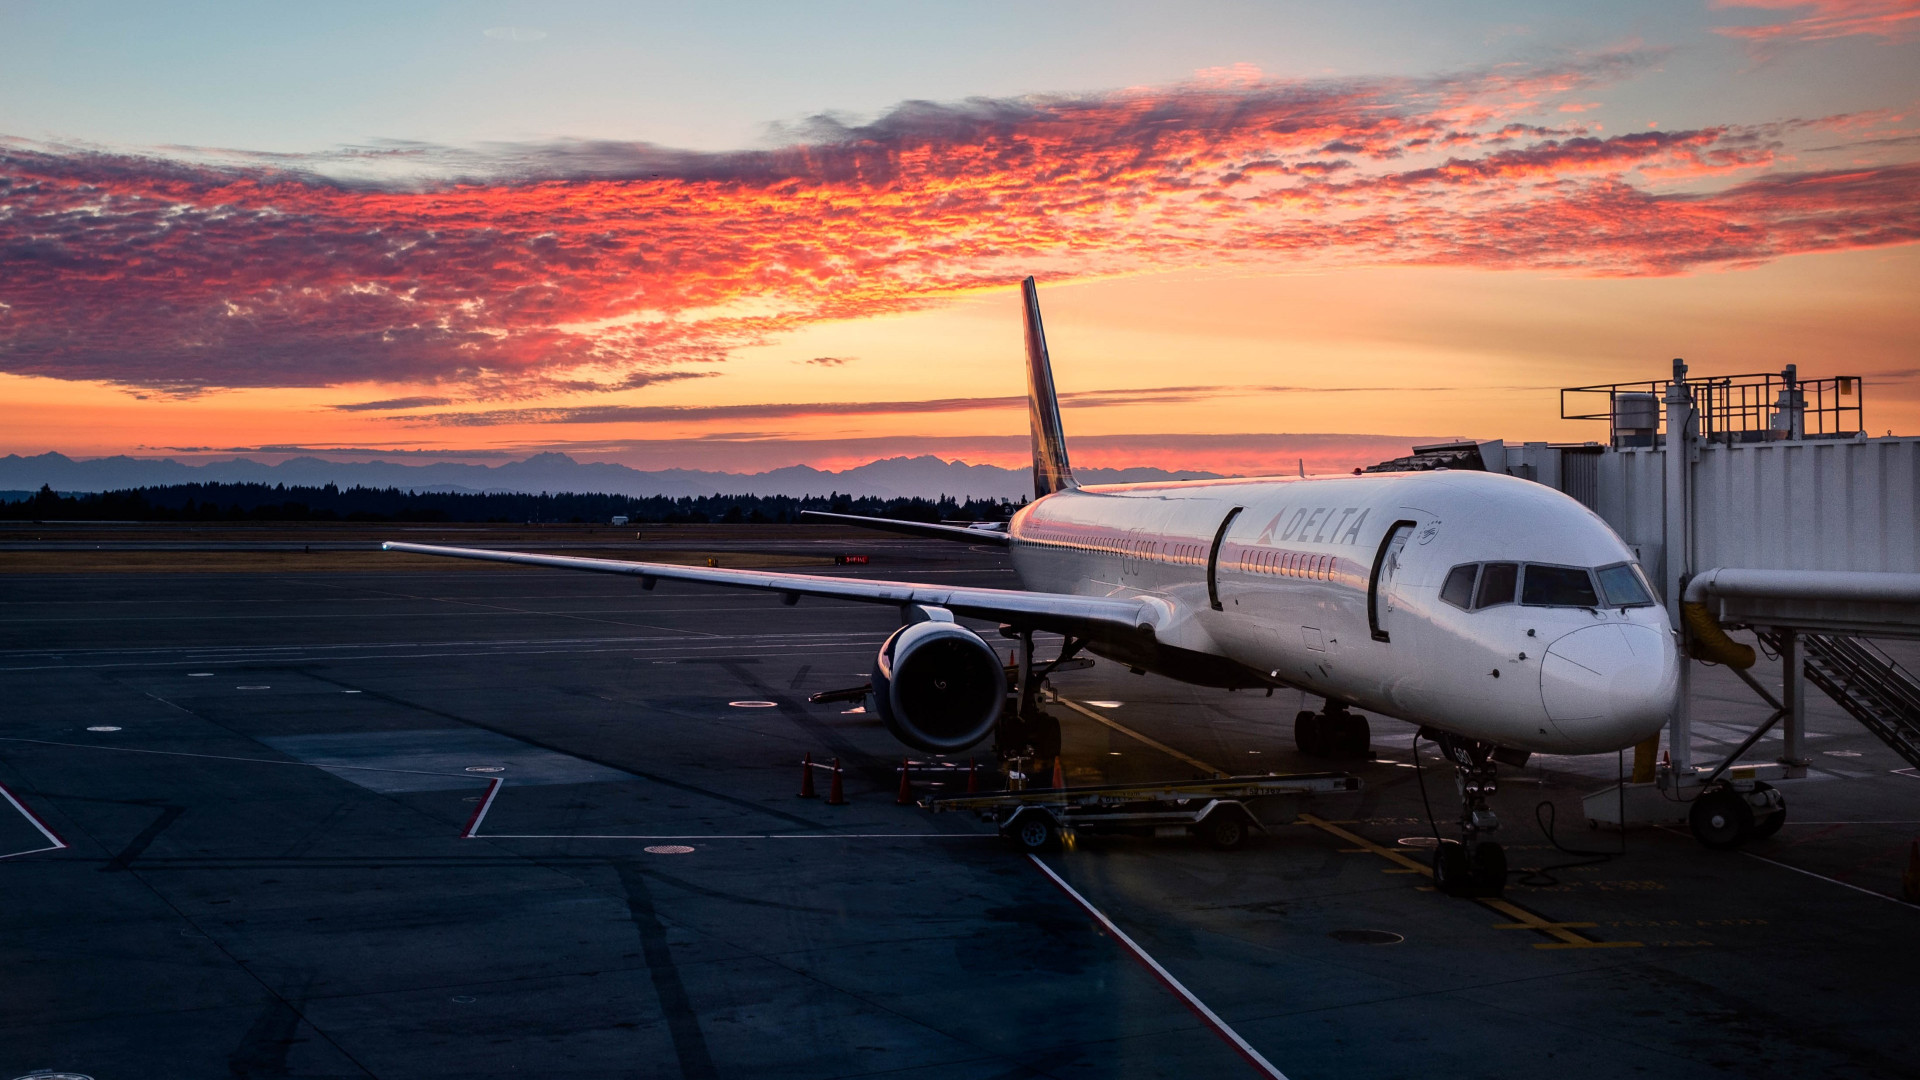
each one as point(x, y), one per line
point(1215, 810)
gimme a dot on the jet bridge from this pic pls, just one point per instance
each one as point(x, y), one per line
point(1762, 499)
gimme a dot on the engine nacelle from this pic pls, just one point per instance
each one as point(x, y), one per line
point(939, 687)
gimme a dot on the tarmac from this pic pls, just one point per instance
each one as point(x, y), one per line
point(420, 823)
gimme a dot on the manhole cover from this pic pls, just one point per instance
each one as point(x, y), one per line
point(253, 687)
point(1367, 937)
point(199, 674)
point(1418, 841)
point(1841, 753)
point(669, 849)
point(751, 704)
point(486, 768)
point(462, 999)
point(103, 727)
point(55, 1076)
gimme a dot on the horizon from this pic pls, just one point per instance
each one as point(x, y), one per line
point(1256, 233)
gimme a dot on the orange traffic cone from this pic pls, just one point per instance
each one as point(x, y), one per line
point(1910, 881)
point(905, 797)
point(836, 795)
point(1059, 781)
point(973, 776)
point(806, 777)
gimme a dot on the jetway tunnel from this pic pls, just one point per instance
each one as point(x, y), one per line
point(1771, 480)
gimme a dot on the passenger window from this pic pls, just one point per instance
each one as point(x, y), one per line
point(1496, 584)
point(1458, 589)
point(1623, 587)
point(1558, 586)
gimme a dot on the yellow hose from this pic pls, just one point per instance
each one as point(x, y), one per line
point(1710, 642)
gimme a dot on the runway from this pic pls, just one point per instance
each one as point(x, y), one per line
point(398, 824)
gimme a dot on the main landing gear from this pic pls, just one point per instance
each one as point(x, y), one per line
point(1027, 740)
point(1470, 866)
point(1333, 733)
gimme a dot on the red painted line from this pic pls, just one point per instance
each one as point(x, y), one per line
point(58, 844)
point(1206, 1015)
point(480, 811)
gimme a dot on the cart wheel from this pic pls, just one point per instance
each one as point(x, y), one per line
point(1224, 830)
point(1035, 832)
point(1721, 819)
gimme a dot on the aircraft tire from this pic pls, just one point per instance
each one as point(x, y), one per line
point(1353, 738)
point(1451, 874)
point(1721, 819)
point(1489, 869)
point(1309, 734)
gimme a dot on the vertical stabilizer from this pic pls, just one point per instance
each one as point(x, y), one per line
point(1051, 472)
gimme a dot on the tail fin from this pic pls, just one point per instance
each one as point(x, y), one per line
point(1051, 472)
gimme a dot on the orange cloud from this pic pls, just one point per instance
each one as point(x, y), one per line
point(1826, 20)
point(605, 266)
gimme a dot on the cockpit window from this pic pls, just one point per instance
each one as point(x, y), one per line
point(1496, 584)
point(1458, 589)
point(1623, 586)
point(1558, 586)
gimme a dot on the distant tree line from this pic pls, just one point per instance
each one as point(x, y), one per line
point(278, 502)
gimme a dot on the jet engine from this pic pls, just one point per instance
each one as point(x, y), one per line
point(939, 687)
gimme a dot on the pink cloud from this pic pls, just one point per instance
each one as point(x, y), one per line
point(602, 266)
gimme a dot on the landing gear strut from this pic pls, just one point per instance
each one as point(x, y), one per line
point(1471, 865)
point(1333, 733)
point(1026, 735)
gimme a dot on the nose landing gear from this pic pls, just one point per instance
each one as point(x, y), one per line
point(1471, 865)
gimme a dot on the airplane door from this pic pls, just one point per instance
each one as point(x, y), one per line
point(1213, 558)
point(1386, 566)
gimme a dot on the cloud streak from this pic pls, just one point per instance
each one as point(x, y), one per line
point(512, 271)
point(1826, 20)
point(639, 414)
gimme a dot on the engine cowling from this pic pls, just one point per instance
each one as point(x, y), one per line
point(939, 687)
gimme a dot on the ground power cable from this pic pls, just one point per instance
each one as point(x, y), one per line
point(1544, 816)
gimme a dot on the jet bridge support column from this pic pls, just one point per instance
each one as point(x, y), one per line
point(1793, 693)
point(1681, 428)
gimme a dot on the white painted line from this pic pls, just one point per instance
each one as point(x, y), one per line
point(1823, 877)
point(1199, 1007)
point(738, 836)
point(57, 843)
point(480, 812)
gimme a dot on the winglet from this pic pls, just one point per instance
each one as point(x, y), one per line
point(1051, 472)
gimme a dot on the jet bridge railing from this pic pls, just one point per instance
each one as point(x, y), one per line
point(1730, 409)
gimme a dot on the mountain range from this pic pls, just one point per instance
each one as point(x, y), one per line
point(896, 477)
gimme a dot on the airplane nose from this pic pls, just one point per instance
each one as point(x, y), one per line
point(1608, 686)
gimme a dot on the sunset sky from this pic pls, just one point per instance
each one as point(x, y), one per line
point(753, 235)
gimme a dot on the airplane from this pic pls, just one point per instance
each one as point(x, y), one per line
point(1501, 616)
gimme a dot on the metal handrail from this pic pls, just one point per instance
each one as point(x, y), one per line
point(1732, 406)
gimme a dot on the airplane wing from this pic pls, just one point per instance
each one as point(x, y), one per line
point(1098, 616)
point(962, 533)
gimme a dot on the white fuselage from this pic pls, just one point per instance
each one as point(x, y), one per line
point(1300, 602)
